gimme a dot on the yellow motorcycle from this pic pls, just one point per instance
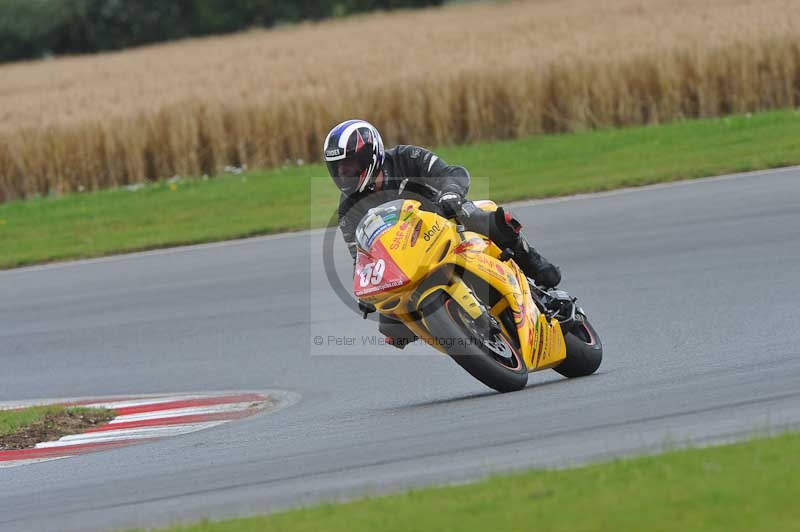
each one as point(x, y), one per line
point(461, 294)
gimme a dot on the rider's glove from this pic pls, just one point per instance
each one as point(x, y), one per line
point(450, 203)
point(548, 275)
point(365, 308)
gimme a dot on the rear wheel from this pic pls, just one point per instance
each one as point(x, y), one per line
point(584, 350)
point(492, 359)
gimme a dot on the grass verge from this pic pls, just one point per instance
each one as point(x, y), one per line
point(193, 211)
point(25, 427)
point(747, 486)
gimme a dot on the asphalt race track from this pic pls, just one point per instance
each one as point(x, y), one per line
point(693, 287)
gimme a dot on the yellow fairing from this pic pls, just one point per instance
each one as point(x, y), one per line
point(432, 255)
point(541, 342)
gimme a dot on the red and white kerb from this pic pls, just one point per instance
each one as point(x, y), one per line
point(142, 419)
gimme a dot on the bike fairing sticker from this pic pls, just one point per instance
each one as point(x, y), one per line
point(375, 225)
point(377, 272)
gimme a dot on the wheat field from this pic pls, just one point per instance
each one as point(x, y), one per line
point(459, 73)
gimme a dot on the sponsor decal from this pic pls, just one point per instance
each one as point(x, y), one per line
point(473, 245)
point(516, 310)
point(375, 274)
point(490, 271)
point(397, 239)
point(488, 266)
point(531, 341)
point(430, 233)
point(382, 287)
point(415, 233)
point(335, 152)
point(408, 212)
point(553, 346)
point(378, 232)
point(540, 349)
point(488, 262)
point(433, 242)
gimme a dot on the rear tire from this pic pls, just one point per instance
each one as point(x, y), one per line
point(479, 358)
point(584, 350)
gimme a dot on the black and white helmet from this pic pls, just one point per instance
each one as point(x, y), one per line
point(354, 154)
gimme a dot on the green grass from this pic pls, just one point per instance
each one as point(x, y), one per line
point(12, 421)
point(748, 486)
point(302, 197)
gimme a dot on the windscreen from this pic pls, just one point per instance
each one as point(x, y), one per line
point(377, 221)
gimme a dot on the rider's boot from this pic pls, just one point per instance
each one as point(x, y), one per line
point(533, 265)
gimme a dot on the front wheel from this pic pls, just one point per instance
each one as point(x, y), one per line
point(494, 361)
point(584, 350)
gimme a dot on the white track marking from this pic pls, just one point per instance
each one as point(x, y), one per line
point(128, 434)
point(188, 411)
point(29, 461)
point(136, 399)
point(139, 432)
point(141, 402)
point(145, 400)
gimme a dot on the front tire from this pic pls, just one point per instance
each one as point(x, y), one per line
point(495, 361)
point(584, 350)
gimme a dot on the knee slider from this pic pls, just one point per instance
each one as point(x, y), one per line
point(507, 219)
point(507, 228)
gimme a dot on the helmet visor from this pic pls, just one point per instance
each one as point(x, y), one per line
point(347, 173)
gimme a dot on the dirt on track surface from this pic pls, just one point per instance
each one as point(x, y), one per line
point(53, 426)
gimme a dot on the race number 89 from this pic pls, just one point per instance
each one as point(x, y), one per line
point(372, 273)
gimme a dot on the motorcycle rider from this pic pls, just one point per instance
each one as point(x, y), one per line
point(367, 176)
